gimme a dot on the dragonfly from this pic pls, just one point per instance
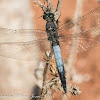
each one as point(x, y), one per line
point(20, 43)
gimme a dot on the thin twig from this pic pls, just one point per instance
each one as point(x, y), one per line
point(39, 3)
point(46, 69)
point(74, 48)
point(58, 10)
point(50, 6)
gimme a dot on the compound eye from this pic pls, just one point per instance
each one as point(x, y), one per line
point(51, 15)
point(44, 17)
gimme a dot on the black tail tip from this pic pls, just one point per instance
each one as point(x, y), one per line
point(64, 87)
point(63, 81)
point(64, 90)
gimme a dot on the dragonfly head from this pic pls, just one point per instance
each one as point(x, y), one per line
point(48, 16)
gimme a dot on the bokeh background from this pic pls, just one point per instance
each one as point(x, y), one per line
point(20, 79)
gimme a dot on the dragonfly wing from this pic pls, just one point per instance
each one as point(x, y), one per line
point(83, 42)
point(88, 34)
point(87, 22)
point(23, 44)
point(12, 35)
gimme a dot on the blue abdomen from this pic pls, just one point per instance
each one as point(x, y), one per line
point(58, 58)
point(60, 65)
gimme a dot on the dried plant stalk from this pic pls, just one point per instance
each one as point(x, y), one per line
point(46, 69)
point(74, 48)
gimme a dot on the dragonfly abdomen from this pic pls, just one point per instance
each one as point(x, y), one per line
point(58, 57)
point(51, 31)
point(60, 66)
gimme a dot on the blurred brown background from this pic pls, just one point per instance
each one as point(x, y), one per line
point(17, 78)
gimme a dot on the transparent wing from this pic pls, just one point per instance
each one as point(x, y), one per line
point(23, 44)
point(89, 32)
point(8, 35)
point(84, 41)
point(87, 22)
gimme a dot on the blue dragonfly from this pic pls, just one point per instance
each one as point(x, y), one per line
point(18, 43)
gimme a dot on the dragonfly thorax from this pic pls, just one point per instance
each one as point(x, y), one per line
point(51, 27)
point(52, 32)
